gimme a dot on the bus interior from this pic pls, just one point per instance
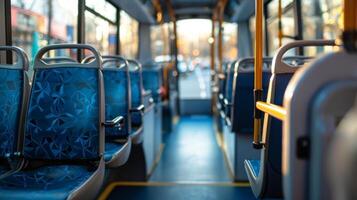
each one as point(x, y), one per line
point(178, 99)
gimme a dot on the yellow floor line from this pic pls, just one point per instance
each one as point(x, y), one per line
point(110, 188)
point(227, 163)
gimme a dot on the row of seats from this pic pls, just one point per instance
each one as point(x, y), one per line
point(76, 120)
point(265, 170)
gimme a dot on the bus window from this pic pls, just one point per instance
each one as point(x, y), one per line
point(321, 20)
point(273, 6)
point(129, 38)
point(230, 50)
point(288, 24)
point(160, 47)
point(194, 58)
point(103, 7)
point(100, 33)
point(36, 24)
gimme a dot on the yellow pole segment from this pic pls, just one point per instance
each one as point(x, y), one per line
point(258, 65)
point(350, 19)
point(258, 61)
point(350, 26)
point(273, 110)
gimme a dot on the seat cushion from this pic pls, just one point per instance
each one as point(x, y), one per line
point(3, 169)
point(136, 134)
point(254, 166)
point(136, 119)
point(49, 182)
point(117, 154)
point(111, 148)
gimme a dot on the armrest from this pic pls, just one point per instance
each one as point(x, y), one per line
point(116, 122)
point(147, 93)
point(159, 91)
point(227, 103)
point(140, 108)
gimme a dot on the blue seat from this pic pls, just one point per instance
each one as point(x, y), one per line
point(137, 106)
point(267, 183)
point(219, 101)
point(117, 105)
point(47, 182)
point(14, 87)
point(228, 90)
point(222, 82)
point(243, 94)
point(64, 132)
point(117, 153)
point(153, 80)
point(274, 130)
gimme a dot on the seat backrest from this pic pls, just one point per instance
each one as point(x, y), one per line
point(65, 116)
point(137, 88)
point(14, 88)
point(222, 82)
point(243, 94)
point(152, 80)
point(283, 69)
point(329, 105)
point(229, 88)
point(305, 89)
point(117, 95)
point(221, 85)
point(340, 160)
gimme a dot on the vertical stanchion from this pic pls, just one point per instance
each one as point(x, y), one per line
point(212, 44)
point(220, 43)
point(349, 36)
point(258, 64)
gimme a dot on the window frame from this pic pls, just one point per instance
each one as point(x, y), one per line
point(115, 23)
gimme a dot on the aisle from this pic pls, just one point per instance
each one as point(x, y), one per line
point(191, 153)
point(191, 167)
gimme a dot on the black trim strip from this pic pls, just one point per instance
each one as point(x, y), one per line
point(8, 30)
point(81, 28)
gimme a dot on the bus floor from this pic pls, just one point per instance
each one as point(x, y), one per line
point(192, 166)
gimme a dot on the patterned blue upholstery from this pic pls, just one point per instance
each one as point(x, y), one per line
point(62, 120)
point(243, 101)
point(11, 88)
point(111, 148)
point(152, 79)
point(48, 182)
point(116, 101)
point(136, 96)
